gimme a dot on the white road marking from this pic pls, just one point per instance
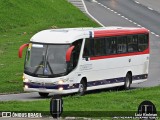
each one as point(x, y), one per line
point(105, 6)
point(134, 23)
point(101, 4)
point(137, 2)
point(126, 18)
point(139, 25)
point(90, 14)
point(155, 34)
point(146, 6)
point(94, 1)
point(150, 8)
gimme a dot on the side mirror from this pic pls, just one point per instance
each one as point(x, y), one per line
point(68, 53)
point(21, 49)
point(68, 58)
point(86, 58)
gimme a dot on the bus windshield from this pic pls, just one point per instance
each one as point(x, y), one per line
point(46, 60)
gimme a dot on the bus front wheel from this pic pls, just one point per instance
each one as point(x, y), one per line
point(82, 87)
point(43, 94)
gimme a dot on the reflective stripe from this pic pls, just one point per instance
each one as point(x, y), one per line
point(89, 84)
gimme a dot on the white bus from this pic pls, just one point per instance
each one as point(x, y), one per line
point(72, 60)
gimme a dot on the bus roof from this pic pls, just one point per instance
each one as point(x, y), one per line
point(69, 35)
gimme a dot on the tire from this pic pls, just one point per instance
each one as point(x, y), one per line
point(82, 88)
point(127, 83)
point(44, 95)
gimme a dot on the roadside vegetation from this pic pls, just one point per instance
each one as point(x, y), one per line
point(100, 104)
point(19, 20)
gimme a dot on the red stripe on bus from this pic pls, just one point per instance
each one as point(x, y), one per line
point(105, 33)
point(120, 55)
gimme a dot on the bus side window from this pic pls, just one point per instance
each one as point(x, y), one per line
point(86, 51)
point(132, 43)
point(108, 50)
point(88, 48)
point(99, 47)
point(111, 45)
point(76, 52)
point(142, 42)
point(121, 45)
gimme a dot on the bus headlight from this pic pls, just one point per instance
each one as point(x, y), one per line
point(60, 89)
point(25, 80)
point(62, 80)
point(23, 77)
point(26, 86)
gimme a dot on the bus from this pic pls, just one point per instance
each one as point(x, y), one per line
point(70, 60)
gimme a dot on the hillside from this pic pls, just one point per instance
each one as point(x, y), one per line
point(19, 20)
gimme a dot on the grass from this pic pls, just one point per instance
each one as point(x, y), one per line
point(93, 105)
point(22, 19)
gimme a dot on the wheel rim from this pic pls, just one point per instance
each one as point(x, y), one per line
point(81, 88)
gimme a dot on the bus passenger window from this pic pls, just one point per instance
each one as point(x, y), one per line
point(111, 45)
point(132, 43)
point(121, 45)
point(108, 50)
point(99, 46)
point(142, 42)
point(86, 51)
point(88, 48)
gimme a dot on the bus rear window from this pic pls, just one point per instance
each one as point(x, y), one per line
point(142, 42)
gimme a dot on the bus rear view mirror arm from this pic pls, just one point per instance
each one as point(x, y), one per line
point(86, 58)
point(21, 49)
point(68, 58)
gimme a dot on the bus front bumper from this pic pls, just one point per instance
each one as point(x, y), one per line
point(50, 91)
point(56, 89)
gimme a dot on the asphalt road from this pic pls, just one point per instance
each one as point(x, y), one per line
point(135, 12)
point(151, 4)
point(120, 13)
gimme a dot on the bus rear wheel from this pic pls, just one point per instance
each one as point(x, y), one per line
point(82, 87)
point(127, 83)
point(43, 94)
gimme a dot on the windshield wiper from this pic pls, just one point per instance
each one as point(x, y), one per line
point(50, 68)
point(47, 63)
point(39, 66)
